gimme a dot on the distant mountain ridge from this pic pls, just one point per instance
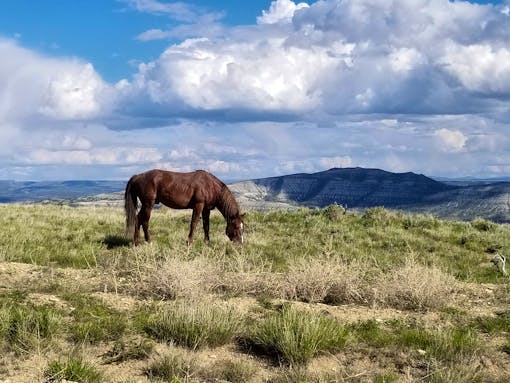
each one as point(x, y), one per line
point(354, 188)
point(363, 188)
point(32, 191)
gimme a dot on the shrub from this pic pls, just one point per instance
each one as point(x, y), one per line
point(416, 287)
point(325, 281)
point(334, 212)
point(482, 224)
point(295, 336)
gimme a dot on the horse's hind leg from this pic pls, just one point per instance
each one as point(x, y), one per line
point(143, 219)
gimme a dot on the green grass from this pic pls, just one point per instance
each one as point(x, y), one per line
point(176, 366)
point(448, 344)
point(24, 327)
point(93, 321)
point(72, 369)
point(500, 323)
point(84, 237)
point(295, 337)
point(191, 325)
point(382, 262)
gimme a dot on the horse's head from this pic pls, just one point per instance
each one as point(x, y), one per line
point(235, 229)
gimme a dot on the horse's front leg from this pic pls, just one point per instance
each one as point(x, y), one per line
point(206, 213)
point(197, 210)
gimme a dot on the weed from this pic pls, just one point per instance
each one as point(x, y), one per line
point(482, 224)
point(234, 371)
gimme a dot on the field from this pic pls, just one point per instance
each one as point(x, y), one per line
point(312, 296)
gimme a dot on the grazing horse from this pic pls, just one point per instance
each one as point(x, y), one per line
point(198, 190)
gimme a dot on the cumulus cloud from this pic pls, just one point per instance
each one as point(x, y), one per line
point(63, 89)
point(280, 11)
point(339, 57)
point(406, 85)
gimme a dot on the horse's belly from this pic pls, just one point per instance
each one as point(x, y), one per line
point(181, 203)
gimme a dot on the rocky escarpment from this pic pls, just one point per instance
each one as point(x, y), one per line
point(352, 187)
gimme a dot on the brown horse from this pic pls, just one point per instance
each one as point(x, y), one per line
point(198, 190)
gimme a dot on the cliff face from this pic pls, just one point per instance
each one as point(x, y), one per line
point(362, 188)
point(353, 187)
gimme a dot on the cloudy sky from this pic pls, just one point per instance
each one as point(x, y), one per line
point(103, 89)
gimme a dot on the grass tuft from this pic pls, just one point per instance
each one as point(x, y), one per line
point(295, 337)
point(174, 366)
point(193, 326)
point(72, 369)
point(24, 327)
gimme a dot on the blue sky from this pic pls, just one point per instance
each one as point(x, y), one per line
point(104, 89)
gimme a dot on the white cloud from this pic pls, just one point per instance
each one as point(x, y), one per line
point(94, 156)
point(280, 11)
point(35, 85)
point(450, 140)
point(480, 67)
point(336, 57)
point(407, 85)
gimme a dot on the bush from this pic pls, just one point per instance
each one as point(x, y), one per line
point(334, 212)
point(482, 224)
point(416, 287)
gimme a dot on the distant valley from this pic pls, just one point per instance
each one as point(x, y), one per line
point(354, 188)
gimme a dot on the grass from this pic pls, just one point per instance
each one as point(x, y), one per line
point(72, 369)
point(322, 293)
point(175, 366)
point(24, 327)
point(295, 337)
point(93, 321)
point(194, 326)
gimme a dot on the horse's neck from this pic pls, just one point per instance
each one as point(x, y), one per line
point(227, 205)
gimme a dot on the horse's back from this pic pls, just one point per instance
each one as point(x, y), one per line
point(178, 190)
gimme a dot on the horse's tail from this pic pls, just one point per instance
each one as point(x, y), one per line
point(130, 207)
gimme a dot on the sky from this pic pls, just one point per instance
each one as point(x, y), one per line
point(104, 89)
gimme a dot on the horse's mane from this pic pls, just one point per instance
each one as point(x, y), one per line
point(227, 204)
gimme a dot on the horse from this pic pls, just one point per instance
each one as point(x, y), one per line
point(198, 190)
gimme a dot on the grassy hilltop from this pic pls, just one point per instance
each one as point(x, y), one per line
point(313, 296)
